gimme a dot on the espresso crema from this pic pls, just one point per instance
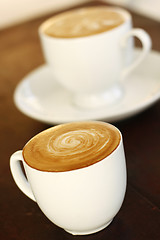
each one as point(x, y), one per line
point(83, 22)
point(71, 146)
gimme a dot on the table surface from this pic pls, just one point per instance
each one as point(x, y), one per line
point(20, 218)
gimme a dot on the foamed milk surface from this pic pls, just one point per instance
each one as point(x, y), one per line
point(71, 146)
point(83, 22)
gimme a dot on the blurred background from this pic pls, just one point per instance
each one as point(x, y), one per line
point(13, 12)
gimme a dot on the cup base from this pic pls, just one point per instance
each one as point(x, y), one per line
point(92, 101)
point(90, 231)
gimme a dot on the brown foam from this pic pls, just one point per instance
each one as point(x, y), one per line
point(71, 146)
point(83, 22)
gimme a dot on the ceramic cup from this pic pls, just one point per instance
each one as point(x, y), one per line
point(81, 201)
point(92, 67)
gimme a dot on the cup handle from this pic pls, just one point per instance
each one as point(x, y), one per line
point(146, 46)
point(19, 176)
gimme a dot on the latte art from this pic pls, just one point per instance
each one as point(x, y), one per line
point(71, 146)
point(76, 142)
point(83, 22)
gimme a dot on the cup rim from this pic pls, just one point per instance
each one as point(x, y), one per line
point(47, 22)
point(82, 168)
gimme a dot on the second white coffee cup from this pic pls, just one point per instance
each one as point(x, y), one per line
point(91, 67)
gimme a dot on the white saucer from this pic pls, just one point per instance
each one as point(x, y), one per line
point(40, 97)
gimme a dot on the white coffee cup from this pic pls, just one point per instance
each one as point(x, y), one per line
point(81, 201)
point(92, 67)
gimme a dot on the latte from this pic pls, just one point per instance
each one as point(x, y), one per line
point(83, 22)
point(71, 146)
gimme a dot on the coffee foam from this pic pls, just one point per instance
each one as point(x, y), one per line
point(83, 22)
point(71, 146)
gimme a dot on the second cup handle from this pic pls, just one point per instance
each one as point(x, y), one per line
point(18, 174)
point(146, 47)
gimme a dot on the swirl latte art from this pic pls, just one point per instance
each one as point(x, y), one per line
point(83, 22)
point(71, 146)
